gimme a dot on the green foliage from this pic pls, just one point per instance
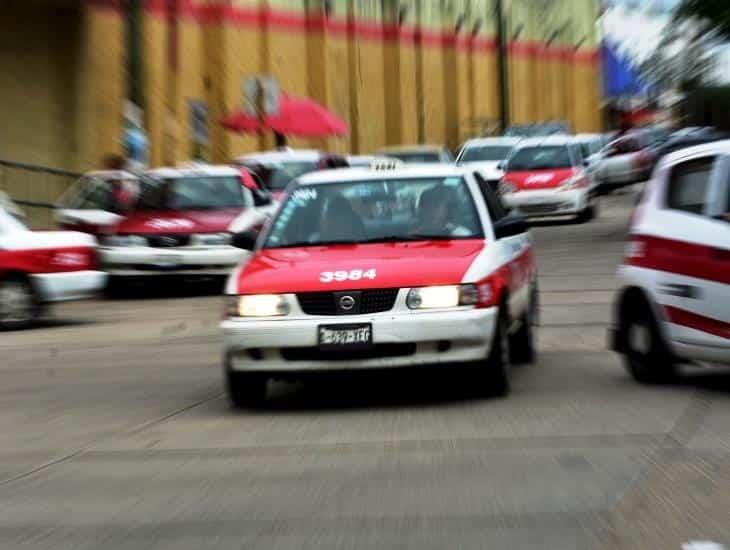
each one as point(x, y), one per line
point(713, 15)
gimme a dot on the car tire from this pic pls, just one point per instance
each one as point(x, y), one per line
point(589, 213)
point(523, 344)
point(646, 356)
point(19, 304)
point(245, 390)
point(495, 370)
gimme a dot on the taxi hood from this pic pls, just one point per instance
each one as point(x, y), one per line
point(177, 221)
point(540, 179)
point(390, 265)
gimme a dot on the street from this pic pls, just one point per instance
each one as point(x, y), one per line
point(115, 433)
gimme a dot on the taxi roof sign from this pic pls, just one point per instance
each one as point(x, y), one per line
point(386, 164)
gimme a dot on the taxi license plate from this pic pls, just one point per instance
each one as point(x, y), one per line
point(167, 260)
point(345, 336)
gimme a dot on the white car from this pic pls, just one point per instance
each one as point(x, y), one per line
point(626, 160)
point(674, 302)
point(549, 177)
point(486, 156)
point(41, 267)
point(386, 268)
point(418, 154)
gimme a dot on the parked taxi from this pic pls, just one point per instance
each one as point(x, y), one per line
point(549, 177)
point(391, 267)
point(41, 267)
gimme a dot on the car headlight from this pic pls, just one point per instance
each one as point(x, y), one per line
point(212, 239)
point(434, 297)
point(123, 240)
point(506, 187)
point(257, 305)
point(576, 182)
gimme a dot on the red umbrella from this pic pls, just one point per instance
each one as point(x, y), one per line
point(298, 116)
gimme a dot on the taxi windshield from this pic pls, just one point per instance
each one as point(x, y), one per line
point(485, 153)
point(360, 212)
point(276, 176)
point(540, 158)
point(101, 193)
point(192, 193)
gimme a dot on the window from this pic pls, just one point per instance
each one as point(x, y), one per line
point(194, 193)
point(377, 211)
point(496, 209)
point(689, 184)
point(540, 158)
point(485, 153)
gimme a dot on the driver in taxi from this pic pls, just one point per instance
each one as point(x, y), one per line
point(435, 212)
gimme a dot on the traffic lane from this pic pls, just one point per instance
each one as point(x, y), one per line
point(421, 461)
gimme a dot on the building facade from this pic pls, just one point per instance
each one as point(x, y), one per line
point(398, 71)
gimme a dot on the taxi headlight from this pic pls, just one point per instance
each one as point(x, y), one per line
point(257, 305)
point(433, 297)
point(506, 187)
point(122, 240)
point(212, 239)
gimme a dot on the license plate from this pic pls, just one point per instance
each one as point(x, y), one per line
point(166, 260)
point(345, 336)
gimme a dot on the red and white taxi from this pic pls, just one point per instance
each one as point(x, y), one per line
point(674, 301)
point(549, 177)
point(39, 267)
point(381, 268)
point(168, 221)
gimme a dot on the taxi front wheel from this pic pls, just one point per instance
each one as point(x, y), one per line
point(245, 390)
point(494, 373)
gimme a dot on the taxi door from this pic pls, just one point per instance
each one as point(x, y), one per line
point(515, 251)
point(694, 289)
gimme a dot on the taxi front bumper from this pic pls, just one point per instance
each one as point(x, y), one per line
point(547, 202)
point(399, 340)
point(200, 260)
point(74, 285)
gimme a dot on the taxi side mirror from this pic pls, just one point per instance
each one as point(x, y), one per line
point(500, 165)
point(245, 240)
point(510, 226)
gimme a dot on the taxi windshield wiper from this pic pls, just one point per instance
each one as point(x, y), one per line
point(298, 244)
point(407, 238)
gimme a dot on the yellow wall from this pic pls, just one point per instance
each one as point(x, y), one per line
point(72, 118)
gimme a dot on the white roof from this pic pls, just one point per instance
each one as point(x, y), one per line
point(588, 137)
point(481, 142)
point(284, 155)
point(192, 171)
point(712, 148)
point(111, 174)
point(546, 141)
point(401, 172)
point(416, 148)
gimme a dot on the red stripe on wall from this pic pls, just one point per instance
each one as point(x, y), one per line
point(681, 258)
point(698, 322)
point(362, 29)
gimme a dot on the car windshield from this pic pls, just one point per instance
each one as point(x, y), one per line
point(276, 176)
point(397, 210)
point(540, 158)
point(485, 153)
point(192, 193)
point(100, 193)
point(421, 157)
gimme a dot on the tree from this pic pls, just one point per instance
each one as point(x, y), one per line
point(712, 16)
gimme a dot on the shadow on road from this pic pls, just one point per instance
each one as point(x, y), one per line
point(164, 287)
point(375, 389)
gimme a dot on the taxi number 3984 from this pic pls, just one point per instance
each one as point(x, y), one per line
point(352, 275)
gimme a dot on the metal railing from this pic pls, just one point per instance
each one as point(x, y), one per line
point(35, 189)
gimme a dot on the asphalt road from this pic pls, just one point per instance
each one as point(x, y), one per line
point(115, 433)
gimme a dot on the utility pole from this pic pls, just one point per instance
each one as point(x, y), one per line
point(502, 63)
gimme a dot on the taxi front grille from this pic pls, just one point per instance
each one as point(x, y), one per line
point(371, 301)
point(168, 241)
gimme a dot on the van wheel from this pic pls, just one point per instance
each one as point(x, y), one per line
point(245, 390)
point(19, 305)
point(590, 212)
point(645, 354)
point(495, 370)
point(523, 344)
